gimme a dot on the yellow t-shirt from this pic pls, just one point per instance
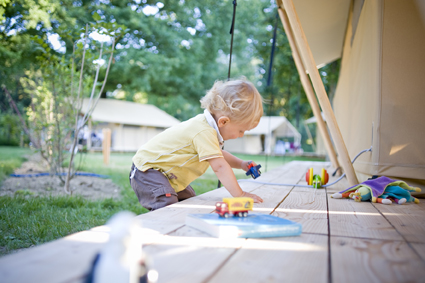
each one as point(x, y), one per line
point(180, 152)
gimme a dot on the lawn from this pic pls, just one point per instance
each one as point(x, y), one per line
point(27, 221)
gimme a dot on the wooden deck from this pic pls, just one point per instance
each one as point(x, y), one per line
point(342, 241)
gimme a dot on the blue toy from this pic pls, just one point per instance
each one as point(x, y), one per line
point(254, 171)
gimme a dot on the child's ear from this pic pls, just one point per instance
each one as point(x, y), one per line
point(223, 120)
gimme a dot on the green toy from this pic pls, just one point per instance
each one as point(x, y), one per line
point(315, 180)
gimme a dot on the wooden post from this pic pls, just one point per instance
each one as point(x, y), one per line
point(106, 145)
point(305, 81)
point(310, 65)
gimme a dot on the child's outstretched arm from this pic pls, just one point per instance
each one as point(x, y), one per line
point(225, 174)
point(235, 162)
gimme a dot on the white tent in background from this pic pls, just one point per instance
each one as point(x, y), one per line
point(317, 142)
point(132, 124)
point(262, 139)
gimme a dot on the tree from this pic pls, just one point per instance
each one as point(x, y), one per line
point(175, 51)
point(20, 21)
point(57, 97)
point(171, 54)
point(77, 98)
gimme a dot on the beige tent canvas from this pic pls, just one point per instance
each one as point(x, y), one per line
point(380, 96)
point(132, 124)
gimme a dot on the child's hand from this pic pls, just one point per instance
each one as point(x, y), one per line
point(256, 198)
point(245, 165)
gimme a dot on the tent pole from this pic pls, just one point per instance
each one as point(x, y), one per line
point(305, 81)
point(319, 88)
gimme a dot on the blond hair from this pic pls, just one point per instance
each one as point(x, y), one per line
point(238, 99)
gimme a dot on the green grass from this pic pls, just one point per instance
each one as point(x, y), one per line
point(11, 158)
point(26, 221)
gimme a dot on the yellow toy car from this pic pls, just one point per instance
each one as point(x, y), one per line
point(234, 206)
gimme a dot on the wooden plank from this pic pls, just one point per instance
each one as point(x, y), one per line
point(65, 260)
point(273, 194)
point(304, 208)
point(186, 263)
point(106, 145)
point(358, 219)
point(199, 255)
point(307, 205)
point(189, 259)
point(288, 259)
point(371, 249)
point(170, 218)
point(408, 219)
point(420, 250)
point(364, 260)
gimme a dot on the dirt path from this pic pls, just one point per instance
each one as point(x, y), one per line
point(88, 187)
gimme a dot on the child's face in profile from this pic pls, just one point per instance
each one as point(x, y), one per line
point(232, 130)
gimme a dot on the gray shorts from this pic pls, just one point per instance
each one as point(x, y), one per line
point(154, 190)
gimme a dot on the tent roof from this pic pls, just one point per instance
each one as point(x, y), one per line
point(324, 23)
point(130, 113)
point(278, 124)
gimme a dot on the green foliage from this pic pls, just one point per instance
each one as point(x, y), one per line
point(176, 54)
point(50, 114)
point(168, 53)
point(10, 129)
point(179, 50)
point(20, 20)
